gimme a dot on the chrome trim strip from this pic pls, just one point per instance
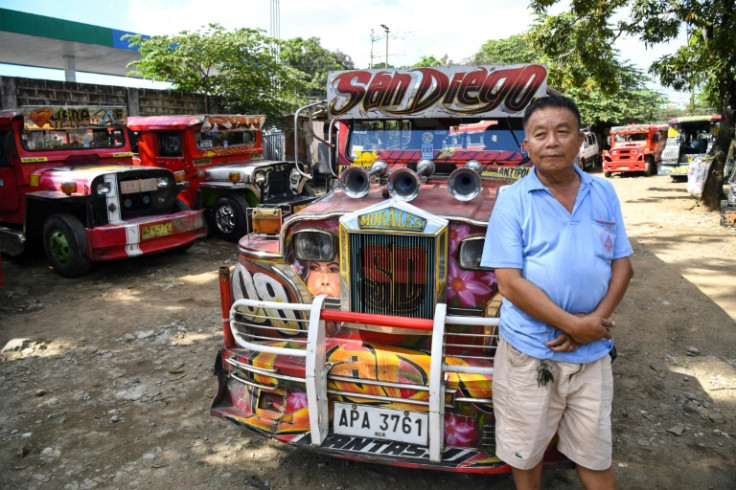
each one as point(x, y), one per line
point(254, 384)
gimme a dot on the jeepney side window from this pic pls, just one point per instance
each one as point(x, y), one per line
point(224, 139)
point(169, 144)
point(6, 143)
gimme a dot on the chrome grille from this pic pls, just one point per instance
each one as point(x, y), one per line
point(393, 274)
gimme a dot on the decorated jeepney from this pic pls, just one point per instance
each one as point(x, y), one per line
point(363, 326)
point(221, 156)
point(635, 148)
point(67, 181)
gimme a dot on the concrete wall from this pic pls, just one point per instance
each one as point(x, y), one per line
point(16, 92)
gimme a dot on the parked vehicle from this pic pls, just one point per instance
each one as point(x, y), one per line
point(589, 155)
point(687, 138)
point(222, 157)
point(363, 326)
point(635, 148)
point(67, 181)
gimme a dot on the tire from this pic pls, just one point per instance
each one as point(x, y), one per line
point(229, 217)
point(65, 245)
point(651, 167)
point(607, 175)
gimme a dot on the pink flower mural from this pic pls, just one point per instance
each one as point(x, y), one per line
point(460, 430)
point(462, 286)
point(457, 233)
point(296, 400)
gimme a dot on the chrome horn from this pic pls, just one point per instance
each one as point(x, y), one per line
point(356, 181)
point(464, 183)
point(404, 183)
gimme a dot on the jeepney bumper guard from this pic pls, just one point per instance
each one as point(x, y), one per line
point(312, 351)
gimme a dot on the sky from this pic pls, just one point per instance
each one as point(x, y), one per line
point(455, 28)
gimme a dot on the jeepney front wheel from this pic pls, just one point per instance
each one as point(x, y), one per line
point(651, 167)
point(229, 217)
point(66, 245)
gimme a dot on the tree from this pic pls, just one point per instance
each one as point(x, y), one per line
point(432, 61)
point(514, 49)
point(238, 66)
point(314, 62)
point(622, 98)
point(707, 60)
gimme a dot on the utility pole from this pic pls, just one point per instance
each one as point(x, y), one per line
point(370, 63)
point(276, 27)
point(385, 28)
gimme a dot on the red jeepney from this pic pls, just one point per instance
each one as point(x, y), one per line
point(635, 148)
point(66, 178)
point(363, 326)
point(222, 158)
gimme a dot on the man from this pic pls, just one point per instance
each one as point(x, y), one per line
point(557, 242)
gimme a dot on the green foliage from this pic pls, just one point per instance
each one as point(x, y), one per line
point(237, 66)
point(708, 60)
point(314, 62)
point(512, 50)
point(623, 97)
point(432, 61)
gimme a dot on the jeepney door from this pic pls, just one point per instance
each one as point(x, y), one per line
point(9, 193)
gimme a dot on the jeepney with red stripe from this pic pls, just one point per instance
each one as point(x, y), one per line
point(67, 180)
point(221, 156)
point(364, 326)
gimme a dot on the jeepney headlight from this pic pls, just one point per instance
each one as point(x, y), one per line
point(470, 252)
point(163, 183)
point(104, 189)
point(315, 245)
point(68, 188)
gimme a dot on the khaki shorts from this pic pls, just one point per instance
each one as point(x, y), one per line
point(577, 406)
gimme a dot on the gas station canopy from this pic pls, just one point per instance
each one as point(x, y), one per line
point(46, 42)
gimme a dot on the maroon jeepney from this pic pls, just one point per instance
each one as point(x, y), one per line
point(222, 158)
point(66, 179)
point(364, 326)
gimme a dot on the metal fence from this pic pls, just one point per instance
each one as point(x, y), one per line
point(273, 145)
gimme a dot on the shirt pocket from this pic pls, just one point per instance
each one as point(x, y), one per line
point(603, 238)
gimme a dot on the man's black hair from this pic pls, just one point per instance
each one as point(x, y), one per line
point(552, 101)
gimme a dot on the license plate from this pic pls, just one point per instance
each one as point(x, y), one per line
point(153, 231)
point(136, 186)
point(382, 423)
point(623, 168)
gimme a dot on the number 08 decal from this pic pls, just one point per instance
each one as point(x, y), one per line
point(264, 287)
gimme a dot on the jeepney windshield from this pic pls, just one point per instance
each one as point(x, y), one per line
point(435, 135)
point(72, 139)
point(625, 137)
point(224, 139)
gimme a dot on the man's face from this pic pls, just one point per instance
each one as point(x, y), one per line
point(553, 138)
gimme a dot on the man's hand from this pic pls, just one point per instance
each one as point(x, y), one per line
point(589, 328)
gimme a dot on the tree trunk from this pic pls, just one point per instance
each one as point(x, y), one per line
point(713, 187)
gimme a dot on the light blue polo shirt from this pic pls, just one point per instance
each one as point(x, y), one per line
point(568, 256)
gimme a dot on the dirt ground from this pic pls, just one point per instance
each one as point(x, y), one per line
point(106, 381)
